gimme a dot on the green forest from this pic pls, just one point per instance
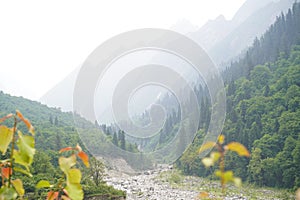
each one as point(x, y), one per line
point(54, 130)
point(263, 113)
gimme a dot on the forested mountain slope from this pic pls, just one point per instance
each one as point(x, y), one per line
point(54, 130)
point(263, 109)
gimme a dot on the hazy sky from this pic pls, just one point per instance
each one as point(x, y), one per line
point(43, 41)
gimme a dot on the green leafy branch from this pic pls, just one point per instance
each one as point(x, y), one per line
point(21, 155)
point(219, 157)
point(68, 187)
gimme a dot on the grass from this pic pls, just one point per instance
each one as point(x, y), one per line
point(213, 187)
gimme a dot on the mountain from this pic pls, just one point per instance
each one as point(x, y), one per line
point(216, 30)
point(50, 123)
point(61, 95)
point(184, 26)
point(229, 36)
point(263, 109)
point(54, 130)
point(248, 8)
point(212, 32)
point(224, 39)
point(244, 34)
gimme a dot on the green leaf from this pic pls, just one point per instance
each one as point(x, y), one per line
point(65, 164)
point(18, 185)
point(238, 148)
point(20, 160)
point(24, 155)
point(75, 191)
point(43, 184)
point(6, 135)
point(74, 176)
point(8, 193)
point(17, 169)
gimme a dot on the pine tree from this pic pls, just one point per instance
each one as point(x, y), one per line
point(56, 121)
point(122, 140)
point(115, 139)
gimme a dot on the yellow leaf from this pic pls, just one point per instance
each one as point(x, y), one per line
point(228, 176)
point(6, 135)
point(66, 163)
point(203, 195)
point(237, 182)
point(238, 148)
point(74, 176)
point(215, 156)
point(64, 197)
point(206, 146)
point(221, 139)
point(218, 173)
point(43, 184)
point(18, 185)
point(75, 191)
point(208, 162)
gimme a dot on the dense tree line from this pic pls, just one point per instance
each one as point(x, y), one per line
point(263, 109)
point(54, 130)
point(279, 38)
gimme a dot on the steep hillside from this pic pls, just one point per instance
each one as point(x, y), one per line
point(263, 109)
point(55, 129)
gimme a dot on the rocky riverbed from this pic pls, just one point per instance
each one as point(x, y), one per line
point(147, 185)
point(161, 184)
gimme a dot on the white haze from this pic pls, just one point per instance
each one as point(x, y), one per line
point(43, 41)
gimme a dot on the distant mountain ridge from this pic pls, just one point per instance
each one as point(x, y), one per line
point(61, 95)
point(222, 39)
point(243, 36)
point(215, 30)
